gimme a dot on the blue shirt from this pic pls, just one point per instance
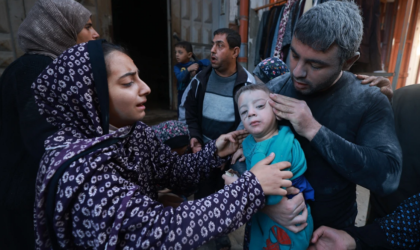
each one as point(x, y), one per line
point(264, 232)
point(183, 75)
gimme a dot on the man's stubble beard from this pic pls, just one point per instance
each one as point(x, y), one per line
point(320, 87)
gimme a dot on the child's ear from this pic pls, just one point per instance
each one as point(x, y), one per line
point(190, 54)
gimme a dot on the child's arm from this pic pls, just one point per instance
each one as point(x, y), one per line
point(180, 75)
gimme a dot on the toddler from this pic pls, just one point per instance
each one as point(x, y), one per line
point(265, 137)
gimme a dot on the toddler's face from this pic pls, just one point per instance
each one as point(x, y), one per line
point(256, 114)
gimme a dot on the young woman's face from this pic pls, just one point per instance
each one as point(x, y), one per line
point(256, 114)
point(127, 92)
point(88, 33)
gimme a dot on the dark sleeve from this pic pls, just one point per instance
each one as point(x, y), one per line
point(369, 237)
point(374, 160)
point(399, 230)
point(34, 128)
point(192, 111)
point(181, 172)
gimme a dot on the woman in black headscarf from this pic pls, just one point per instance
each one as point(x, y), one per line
point(51, 27)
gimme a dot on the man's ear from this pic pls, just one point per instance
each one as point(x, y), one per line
point(348, 63)
point(236, 51)
point(189, 54)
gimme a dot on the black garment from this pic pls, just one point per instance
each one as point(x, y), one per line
point(370, 48)
point(406, 105)
point(277, 15)
point(368, 237)
point(355, 145)
point(399, 230)
point(22, 135)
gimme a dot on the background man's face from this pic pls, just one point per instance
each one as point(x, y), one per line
point(313, 71)
point(221, 54)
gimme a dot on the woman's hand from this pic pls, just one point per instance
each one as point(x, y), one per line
point(227, 144)
point(381, 82)
point(270, 177)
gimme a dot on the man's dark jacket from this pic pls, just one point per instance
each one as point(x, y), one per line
point(191, 108)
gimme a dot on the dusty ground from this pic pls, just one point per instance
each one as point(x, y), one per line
point(156, 116)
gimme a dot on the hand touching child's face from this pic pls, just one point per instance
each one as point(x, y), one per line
point(256, 114)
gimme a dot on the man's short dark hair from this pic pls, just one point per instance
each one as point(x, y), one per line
point(333, 22)
point(251, 87)
point(184, 44)
point(233, 38)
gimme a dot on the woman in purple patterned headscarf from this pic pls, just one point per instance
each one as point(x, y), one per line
point(106, 199)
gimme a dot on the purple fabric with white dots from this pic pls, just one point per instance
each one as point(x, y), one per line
point(108, 198)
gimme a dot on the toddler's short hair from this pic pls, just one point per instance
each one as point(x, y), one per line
point(184, 44)
point(251, 87)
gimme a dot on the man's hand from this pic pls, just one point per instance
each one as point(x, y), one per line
point(227, 144)
point(287, 211)
point(329, 238)
point(193, 67)
point(238, 154)
point(297, 112)
point(270, 177)
point(195, 145)
point(381, 82)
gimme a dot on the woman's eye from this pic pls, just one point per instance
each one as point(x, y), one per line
point(128, 84)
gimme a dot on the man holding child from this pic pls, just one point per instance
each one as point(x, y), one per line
point(345, 129)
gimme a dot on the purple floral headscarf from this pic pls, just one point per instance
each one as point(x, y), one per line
point(107, 199)
point(270, 68)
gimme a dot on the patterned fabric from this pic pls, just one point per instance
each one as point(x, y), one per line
point(270, 68)
point(282, 29)
point(402, 227)
point(170, 129)
point(107, 199)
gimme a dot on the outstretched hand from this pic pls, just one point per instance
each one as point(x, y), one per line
point(270, 177)
point(227, 144)
point(381, 82)
point(330, 238)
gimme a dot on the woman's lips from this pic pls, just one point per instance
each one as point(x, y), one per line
point(141, 106)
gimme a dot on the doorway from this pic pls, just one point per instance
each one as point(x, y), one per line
point(141, 27)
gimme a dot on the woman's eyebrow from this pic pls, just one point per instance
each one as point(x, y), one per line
point(127, 74)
